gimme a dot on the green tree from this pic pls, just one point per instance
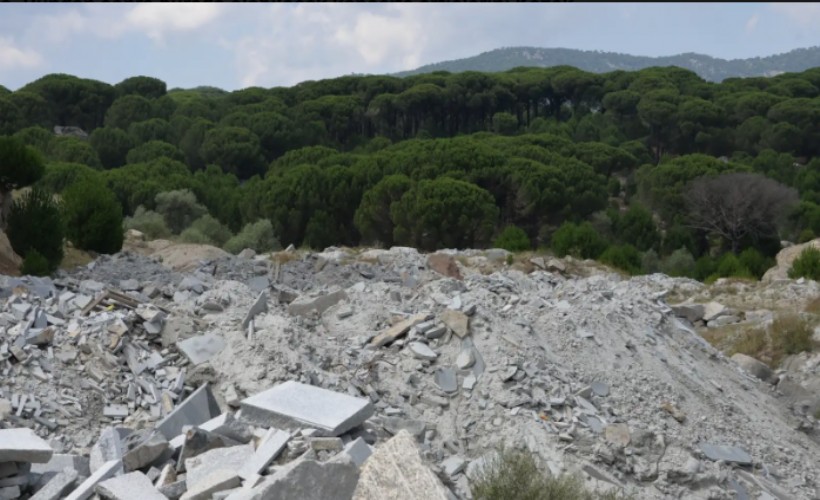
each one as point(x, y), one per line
point(36, 137)
point(180, 208)
point(20, 165)
point(153, 129)
point(111, 145)
point(126, 110)
point(258, 236)
point(514, 239)
point(73, 150)
point(93, 217)
point(35, 224)
point(623, 257)
point(144, 86)
point(806, 265)
point(153, 150)
point(373, 219)
point(236, 150)
point(637, 227)
point(148, 222)
point(581, 241)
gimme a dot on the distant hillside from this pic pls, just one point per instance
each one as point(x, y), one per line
point(709, 68)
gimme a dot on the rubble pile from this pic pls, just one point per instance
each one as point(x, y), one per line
point(383, 373)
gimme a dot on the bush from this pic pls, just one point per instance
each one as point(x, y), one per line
point(35, 264)
point(624, 257)
point(680, 263)
point(806, 265)
point(148, 222)
point(192, 235)
point(650, 263)
point(791, 334)
point(730, 266)
point(515, 475)
point(179, 208)
point(755, 262)
point(93, 217)
point(705, 267)
point(806, 235)
point(35, 225)
point(581, 241)
point(214, 231)
point(513, 239)
point(257, 236)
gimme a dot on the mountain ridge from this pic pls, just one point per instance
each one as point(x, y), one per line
point(709, 68)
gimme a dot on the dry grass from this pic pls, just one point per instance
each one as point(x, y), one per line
point(788, 334)
point(73, 257)
point(282, 258)
point(813, 306)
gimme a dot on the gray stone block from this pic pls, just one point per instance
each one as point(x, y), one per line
point(726, 453)
point(258, 307)
point(268, 450)
point(227, 425)
point(197, 408)
point(221, 480)
point(304, 305)
point(143, 448)
point(293, 404)
point(108, 447)
point(201, 348)
point(200, 468)
point(57, 487)
point(23, 445)
point(86, 488)
point(358, 451)
point(446, 379)
point(129, 486)
point(310, 480)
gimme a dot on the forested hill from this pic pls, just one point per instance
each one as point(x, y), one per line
point(597, 165)
point(708, 68)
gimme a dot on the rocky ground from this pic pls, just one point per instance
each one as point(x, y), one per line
point(162, 378)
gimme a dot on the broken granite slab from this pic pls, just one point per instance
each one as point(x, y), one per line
point(268, 450)
point(293, 404)
point(58, 486)
point(725, 453)
point(143, 447)
point(304, 305)
point(457, 321)
point(397, 470)
point(258, 307)
point(132, 485)
point(197, 408)
point(310, 480)
point(358, 451)
point(220, 480)
point(200, 349)
point(398, 330)
point(422, 351)
point(86, 489)
point(446, 379)
point(199, 468)
point(23, 445)
point(227, 425)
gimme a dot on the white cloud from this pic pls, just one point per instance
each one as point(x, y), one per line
point(13, 57)
point(802, 14)
point(379, 38)
point(751, 24)
point(158, 19)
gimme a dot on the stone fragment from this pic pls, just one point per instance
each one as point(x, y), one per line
point(469, 382)
point(422, 351)
point(268, 450)
point(199, 468)
point(142, 448)
point(229, 426)
point(305, 305)
point(189, 283)
point(293, 404)
point(600, 389)
point(200, 349)
point(397, 330)
point(108, 447)
point(713, 310)
point(247, 253)
point(725, 453)
point(86, 488)
point(692, 312)
point(753, 366)
point(197, 408)
point(453, 465)
point(174, 490)
point(23, 445)
point(259, 283)
point(358, 451)
point(40, 337)
point(129, 285)
point(258, 307)
point(397, 470)
point(617, 435)
point(726, 319)
point(673, 410)
point(309, 480)
point(220, 480)
point(197, 441)
point(394, 425)
point(132, 485)
point(465, 359)
point(457, 321)
point(446, 379)
point(115, 411)
point(57, 486)
point(445, 265)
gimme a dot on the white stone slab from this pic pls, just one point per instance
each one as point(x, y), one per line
point(132, 485)
point(293, 404)
point(268, 450)
point(201, 348)
point(23, 445)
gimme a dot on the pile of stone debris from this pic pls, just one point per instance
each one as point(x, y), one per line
point(379, 374)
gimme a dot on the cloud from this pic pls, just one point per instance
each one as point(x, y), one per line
point(802, 14)
point(158, 19)
point(13, 57)
point(751, 24)
point(378, 38)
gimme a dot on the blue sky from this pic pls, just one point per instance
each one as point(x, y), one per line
point(238, 45)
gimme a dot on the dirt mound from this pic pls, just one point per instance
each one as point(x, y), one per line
point(187, 256)
point(9, 261)
point(785, 258)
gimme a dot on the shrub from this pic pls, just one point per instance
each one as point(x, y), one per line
point(806, 265)
point(705, 267)
point(192, 235)
point(258, 236)
point(513, 239)
point(624, 257)
point(755, 262)
point(806, 235)
point(35, 225)
point(93, 217)
point(680, 263)
point(148, 222)
point(791, 334)
point(578, 240)
point(179, 208)
point(35, 264)
point(214, 231)
point(730, 266)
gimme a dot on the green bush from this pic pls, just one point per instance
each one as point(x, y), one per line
point(192, 235)
point(513, 239)
point(705, 267)
point(35, 225)
point(581, 241)
point(806, 235)
point(731, 267)
point(35, 265)
point(93, 217)
point(624, 257)
point(680, 263)
point(650, 262)
point(806, 265)
point(257, 236)
point(755, 262)
point(214, 231)
point(514, 475)
point(148, 222)
point(180, 208)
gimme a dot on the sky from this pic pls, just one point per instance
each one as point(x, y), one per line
point(233, 46)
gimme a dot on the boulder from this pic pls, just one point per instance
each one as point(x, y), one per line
point(445, 265)
point(753, 366)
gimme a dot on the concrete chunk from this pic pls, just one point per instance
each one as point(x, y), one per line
point(143, 448)
point(726, 453)
point(201, 348)
point(133, 485)
point(358, 451)
point(397, 330)
point(397, 470)
point(57, 487)
point(293, 404)
point(446, 379)
point(310, 480)
point(268, 450)
point(258, 307)
point(199, 468)
point(422, 351)
point(220, 480)
point(457, 321)
point(227, 425)
point(86, 489)
point(23, 445)
point(304, 306)
point(197, 408)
